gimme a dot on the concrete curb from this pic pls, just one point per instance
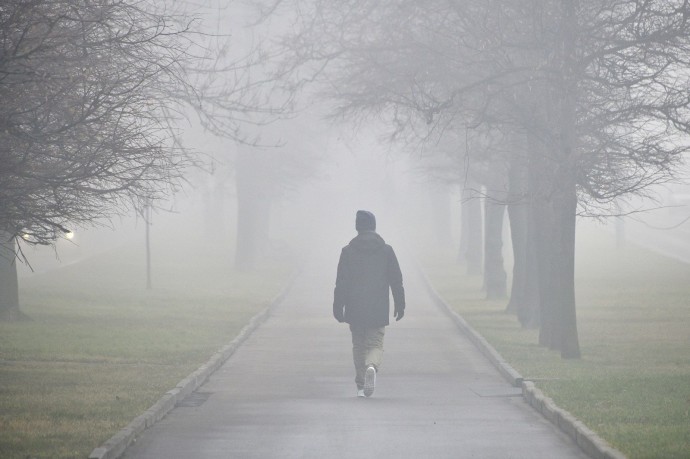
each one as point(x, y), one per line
point(117, 444)
point(588, 441)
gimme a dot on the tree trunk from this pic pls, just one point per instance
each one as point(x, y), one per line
point(556, 202)
point(565, 191)
point(556, 254)
point(529, 314)
point(147, 222)
point(545, 246)
point(253, 211)
point(494, 210)
point(9, 284)
point(471, 239)
point(570, 345)
point(524, 295)
point(517, 217)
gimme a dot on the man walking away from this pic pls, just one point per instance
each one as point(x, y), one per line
point(367, 269)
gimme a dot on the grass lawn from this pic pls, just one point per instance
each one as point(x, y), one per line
point(632, 385)
point(100, 349)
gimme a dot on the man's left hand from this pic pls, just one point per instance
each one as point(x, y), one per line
point(398, 314)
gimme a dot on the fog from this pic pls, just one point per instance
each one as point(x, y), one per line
point(347, 167)
point(354, 170)
point(357, 169)
point(300, 120)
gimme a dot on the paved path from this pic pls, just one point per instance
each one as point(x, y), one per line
point(289, 392)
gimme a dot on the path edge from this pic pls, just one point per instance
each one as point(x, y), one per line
point(116, 445)
point(586, 439)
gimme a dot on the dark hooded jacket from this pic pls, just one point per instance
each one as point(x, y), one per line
point(367, 269)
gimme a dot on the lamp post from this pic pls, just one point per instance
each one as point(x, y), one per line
point(147, 223)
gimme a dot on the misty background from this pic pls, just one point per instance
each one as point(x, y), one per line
point(490, 129)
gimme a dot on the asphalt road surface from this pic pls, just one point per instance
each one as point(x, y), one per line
point(289, 392)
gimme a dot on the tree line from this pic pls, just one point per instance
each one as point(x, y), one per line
point(552, 108)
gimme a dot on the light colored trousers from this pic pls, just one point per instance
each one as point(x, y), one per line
point(367, 349)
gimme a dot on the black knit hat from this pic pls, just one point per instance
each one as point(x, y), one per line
point(365, 221)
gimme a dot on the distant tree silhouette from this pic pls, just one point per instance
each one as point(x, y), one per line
point(92, 93)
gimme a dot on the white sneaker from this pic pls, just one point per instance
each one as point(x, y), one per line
point(369, 381)
point(360, 393)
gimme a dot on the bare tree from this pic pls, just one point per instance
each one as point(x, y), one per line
point(87, 119)
point(607, 116)
point(596, 89)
